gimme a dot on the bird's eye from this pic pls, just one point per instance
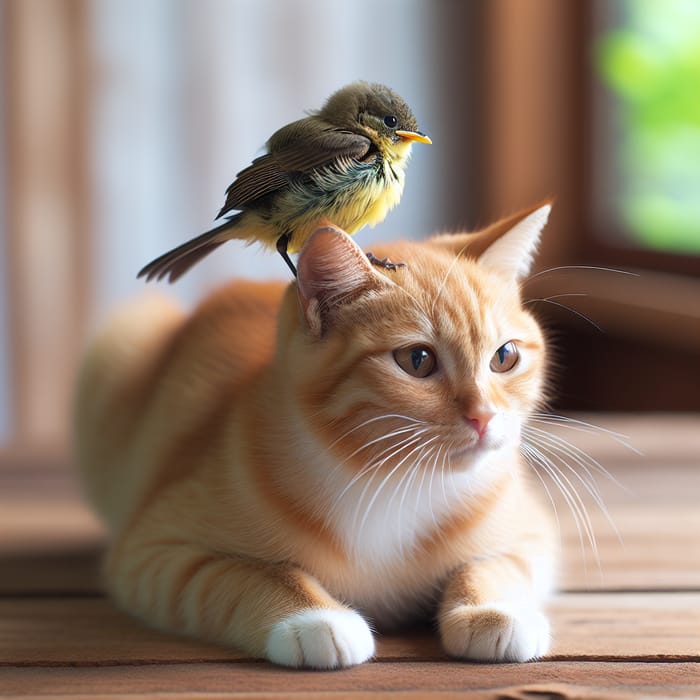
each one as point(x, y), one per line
point(418, 360)
point(505, 358)
point(391, 121)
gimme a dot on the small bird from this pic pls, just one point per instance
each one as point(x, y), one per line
point(344, 164)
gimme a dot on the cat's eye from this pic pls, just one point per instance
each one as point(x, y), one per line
point(417, 360)
point(505, 358)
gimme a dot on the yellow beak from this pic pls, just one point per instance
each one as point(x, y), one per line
point(413, 136)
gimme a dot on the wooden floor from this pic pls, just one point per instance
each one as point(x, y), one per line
point(627, 626)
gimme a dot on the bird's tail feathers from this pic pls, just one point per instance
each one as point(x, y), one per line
point(179, 260)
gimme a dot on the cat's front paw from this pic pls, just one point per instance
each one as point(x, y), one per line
point(321, 638)
point(496, 632)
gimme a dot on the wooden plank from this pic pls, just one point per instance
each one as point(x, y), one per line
point(644, 626)
point(658, 549)
point(175, 680)
point(72, 571)
point(554, 691)
point(645, 441)
point(89, 631)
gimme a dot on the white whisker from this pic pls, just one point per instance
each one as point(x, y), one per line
point(375, 468)
point(430, 484)
point(415, 469)
point(387, 436)
point(449, 469)
point(595, 268)
point(584, 426)
point(376, 464)
point(547, 452)
point(450, 269)
point(533, 463)
point(555, 296)
point(551, 444)
point(374, 420)
point(424, 472)
point(375, 495)
point(556, 442)
point(574, 501)
point(550, 300)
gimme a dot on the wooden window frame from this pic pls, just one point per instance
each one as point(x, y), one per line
point(46, 217)
point(534, 138)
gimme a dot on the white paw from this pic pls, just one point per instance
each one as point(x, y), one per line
point(321, 638)
point(496, 632)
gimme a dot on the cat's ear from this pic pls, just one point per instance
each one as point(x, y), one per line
point(511, 249)
point(508, 246)
point(331, 269)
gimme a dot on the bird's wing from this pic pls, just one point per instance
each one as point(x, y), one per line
point(312, 143)
point(297, 148)
point(262, 177)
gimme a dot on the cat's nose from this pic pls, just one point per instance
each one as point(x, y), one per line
point(480, 421)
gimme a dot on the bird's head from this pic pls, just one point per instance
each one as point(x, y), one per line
point(377, 112)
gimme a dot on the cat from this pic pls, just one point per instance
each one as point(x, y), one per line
point(288, 466)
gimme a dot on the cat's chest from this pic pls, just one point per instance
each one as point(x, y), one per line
point(386, 538)
point(384, 521)
point(394, 556)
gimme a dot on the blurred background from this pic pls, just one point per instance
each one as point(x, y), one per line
point(123, 121)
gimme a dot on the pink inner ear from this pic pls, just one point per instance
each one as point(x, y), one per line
point(331, 266)
point(324, 240)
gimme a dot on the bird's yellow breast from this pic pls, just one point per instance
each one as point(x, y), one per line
point(363, 202)
point(371, 205)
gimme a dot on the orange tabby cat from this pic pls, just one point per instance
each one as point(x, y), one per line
point(288, 466)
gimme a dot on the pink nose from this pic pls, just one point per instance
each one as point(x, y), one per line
point(480, 423)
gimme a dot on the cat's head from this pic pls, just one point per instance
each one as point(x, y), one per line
point(435, 360)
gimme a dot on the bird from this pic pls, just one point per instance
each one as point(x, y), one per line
point(343, 164)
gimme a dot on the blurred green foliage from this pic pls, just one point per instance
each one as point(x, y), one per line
point(652, 65)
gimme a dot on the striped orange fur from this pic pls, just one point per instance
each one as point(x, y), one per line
point(279, 476)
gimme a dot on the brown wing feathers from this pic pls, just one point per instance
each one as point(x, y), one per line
point(295, 149)
point(177, 261)
point(259, 179)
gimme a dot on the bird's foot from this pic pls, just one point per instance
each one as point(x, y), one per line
point(384, 262)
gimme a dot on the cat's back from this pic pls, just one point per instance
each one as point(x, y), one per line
point(155, 371)
point(233, 331)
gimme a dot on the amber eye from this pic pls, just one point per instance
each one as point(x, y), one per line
point(505, 358)
point(418, 360)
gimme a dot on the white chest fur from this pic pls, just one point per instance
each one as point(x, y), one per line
point(382, 516)
point(384, 521)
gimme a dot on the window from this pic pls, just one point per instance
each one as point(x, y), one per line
point(646, 133)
